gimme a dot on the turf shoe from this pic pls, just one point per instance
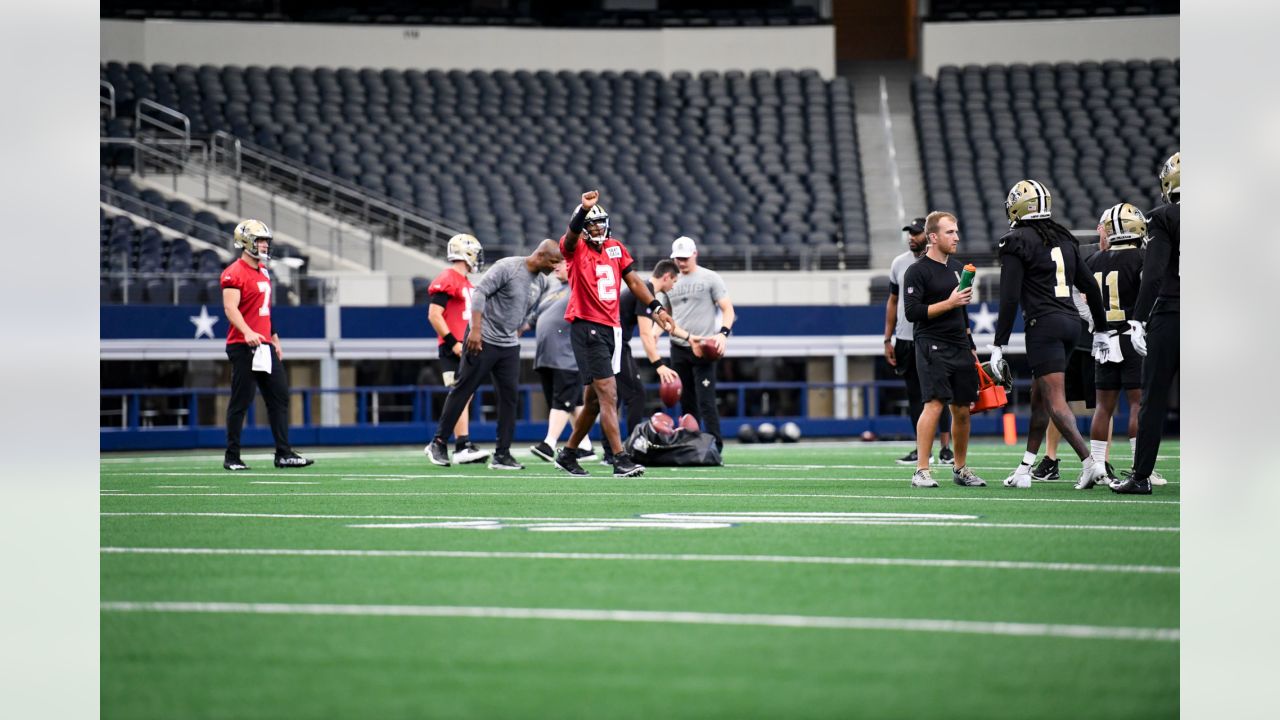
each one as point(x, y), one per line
point(292, 460)
point(469, 453)
point(1131, 484)
point(437, 452)
point(624, 466)
point(502, 460)
point(923, 478)
point(946, 457)
point(608, 457)
point(1018, 480)
point(1092, 475)
point(567, 460)
point(233, 463)
point(1046, 470)
point(908, 459)
point(965, 477)
point(584, 454)
point(544, 451)
point(1157, 479)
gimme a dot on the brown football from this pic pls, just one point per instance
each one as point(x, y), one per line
point(709, 349)
point(662, 424)
point(670, 392)
point(689, 422)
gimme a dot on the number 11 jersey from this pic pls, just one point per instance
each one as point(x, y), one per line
point(595, 279)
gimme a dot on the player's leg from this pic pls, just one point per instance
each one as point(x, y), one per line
point(1158, 371)
point(242, 384)
point(631, 390)
point(464, 450)
point(945, 455)
point(471, 371)
point(935, 388)
point(905, 352)
point(925, 428)
point(1021, 476)
point(682, 360)
point(506, 379)
point(704, 377)
point(964, 392)
point(274, 387)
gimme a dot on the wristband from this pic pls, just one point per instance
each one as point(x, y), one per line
point(658, 364)
point(450, 340)
point(725, 330)
point(888, 340)
point(654, 306)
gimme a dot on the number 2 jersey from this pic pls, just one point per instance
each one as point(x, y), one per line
point(254, 285)
point(1041, 277)
point(595, 279)
point(1118, 272)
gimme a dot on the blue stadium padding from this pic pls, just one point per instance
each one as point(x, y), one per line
point(173, 322)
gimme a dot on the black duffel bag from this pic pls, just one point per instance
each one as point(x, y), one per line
point(684, 448)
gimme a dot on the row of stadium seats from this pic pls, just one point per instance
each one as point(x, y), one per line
point(1094, 133)
point(962, 10)
point(735, 160)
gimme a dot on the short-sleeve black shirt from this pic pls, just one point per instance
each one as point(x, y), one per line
point(1119, 274)
point(925, 283)
point(627, 310)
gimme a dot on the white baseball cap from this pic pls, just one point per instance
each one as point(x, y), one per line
point(683, 247)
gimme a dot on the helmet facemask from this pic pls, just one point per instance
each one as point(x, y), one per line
point(597, 221)
point(467, 249)
point(248, 234)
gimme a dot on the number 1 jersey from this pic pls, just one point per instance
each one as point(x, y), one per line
point(595, 278)
point(255, 298)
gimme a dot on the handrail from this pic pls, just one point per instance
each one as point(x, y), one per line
point(155, 213)
point(108, 101)
point(183, 132)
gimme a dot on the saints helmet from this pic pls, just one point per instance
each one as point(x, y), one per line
point(1171, 178)
point(1006, 374)
point(1124, 224)
point(1028, 200)
point(466, 248)
point(597, 214)
point(247, 235)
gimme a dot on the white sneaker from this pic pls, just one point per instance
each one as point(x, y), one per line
point(1018, 480)
point(1092, 475)
point(470, 454)
point(923, 478)
point(1157, 479)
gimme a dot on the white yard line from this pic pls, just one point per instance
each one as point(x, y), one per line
point(655, 557)
point(869, 521)
point(1084, 632)
point(284, 482)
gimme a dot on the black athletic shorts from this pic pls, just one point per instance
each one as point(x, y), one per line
point(597, 348)
point(1050, 341)
point(947, 372)
point(1125, 375)
point(561, 388)
point(449, 363)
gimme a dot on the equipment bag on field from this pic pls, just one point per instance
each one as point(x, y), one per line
point(681, 448)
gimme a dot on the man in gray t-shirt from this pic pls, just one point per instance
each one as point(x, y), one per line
point(899, 345)
point(499, 305)
point(700, 304)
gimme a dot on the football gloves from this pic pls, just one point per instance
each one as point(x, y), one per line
point(997, 354)
point(1102, 347)
point(1138, 336)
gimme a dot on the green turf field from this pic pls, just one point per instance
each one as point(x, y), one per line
point(797, 581)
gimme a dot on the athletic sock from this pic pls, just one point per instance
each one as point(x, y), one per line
point(1098, 449)
point(461, 443)
point(1027, 458)
point(1133, 445)
point(1089, 462)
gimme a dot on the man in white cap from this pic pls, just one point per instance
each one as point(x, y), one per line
point(700, 304)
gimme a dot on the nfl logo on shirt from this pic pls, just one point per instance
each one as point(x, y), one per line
point(614, 252)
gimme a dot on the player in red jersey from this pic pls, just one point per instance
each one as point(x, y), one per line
point(449, 312)
point(598, 265)
point(246, 300)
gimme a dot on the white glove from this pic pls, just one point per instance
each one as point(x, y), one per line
point(997, 353)
point(1138, 335)
point(1101, 347)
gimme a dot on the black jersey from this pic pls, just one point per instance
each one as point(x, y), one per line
point(927, 282)
point(1160, 276)
point(627, 310)
point(1040, 278)
point(1118, 272)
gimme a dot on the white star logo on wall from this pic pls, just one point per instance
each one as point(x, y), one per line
point(984, 321)
point(204, 322)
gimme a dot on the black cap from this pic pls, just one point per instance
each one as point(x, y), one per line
point(916, 227)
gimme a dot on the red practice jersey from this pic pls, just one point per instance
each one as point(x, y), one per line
point(254, 285)
point(595, 278)
point(457, 312)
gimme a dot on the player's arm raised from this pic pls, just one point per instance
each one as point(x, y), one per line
point(579, 220)
point(645, 298)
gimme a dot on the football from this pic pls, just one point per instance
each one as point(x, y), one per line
point(766, 432)
point(710, 351)
point(670, 392)
point(662, 424)
point(689, 422)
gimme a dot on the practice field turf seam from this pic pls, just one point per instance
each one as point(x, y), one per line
point(657, 557)
point(1087, 632)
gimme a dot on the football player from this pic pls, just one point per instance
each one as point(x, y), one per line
point(449, 312)
point(1155, 327)
point(1039, 266)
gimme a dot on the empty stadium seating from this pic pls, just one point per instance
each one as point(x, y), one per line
point(962, 10)
point(761, 164)
point(1094, 133)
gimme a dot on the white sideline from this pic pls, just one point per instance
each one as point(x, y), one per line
point(926, 523)
point(656, 557)
point(1087, 632)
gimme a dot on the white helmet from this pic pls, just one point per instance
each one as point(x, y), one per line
point(597, 214)
point(466, 248)
point(247, 235)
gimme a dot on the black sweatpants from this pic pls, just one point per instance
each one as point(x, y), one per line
point(630, 391)
point(503, 363)
point(698, 393)
point(904, 351)
point(275, 393)
point(1158, 370)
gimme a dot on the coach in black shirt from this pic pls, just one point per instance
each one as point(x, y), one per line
point(945, 356)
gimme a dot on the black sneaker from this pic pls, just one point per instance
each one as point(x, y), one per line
point(437, 452)
point(544, 451)
point(1111, 474)
point(502, 460)
point(585, 454)
point(908, 459)
point(567, 460)
point(623, 466)
point(946, 457)
point(1131, 484)
point(1046, 470)
point(293, 460)
point(607, 459)
point(234, 463)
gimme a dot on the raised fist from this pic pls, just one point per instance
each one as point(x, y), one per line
point(590, 198)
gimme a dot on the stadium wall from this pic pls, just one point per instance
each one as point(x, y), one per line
point(466, 48)
point(1032, 41)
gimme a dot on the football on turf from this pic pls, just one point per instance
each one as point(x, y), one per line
point(710, 350)
point(689, 422)
point(766, 432)
point(662, 424)
point(670, 392)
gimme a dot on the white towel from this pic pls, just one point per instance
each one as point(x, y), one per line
point(262, 358)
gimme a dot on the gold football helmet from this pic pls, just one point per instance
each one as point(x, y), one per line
point(1028, 200)
point(596, 215)
point(1171, 178)
point(466, 248)
point(1124, 224)
point(248, 233)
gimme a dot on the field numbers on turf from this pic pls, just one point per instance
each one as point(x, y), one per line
point(666, 521)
